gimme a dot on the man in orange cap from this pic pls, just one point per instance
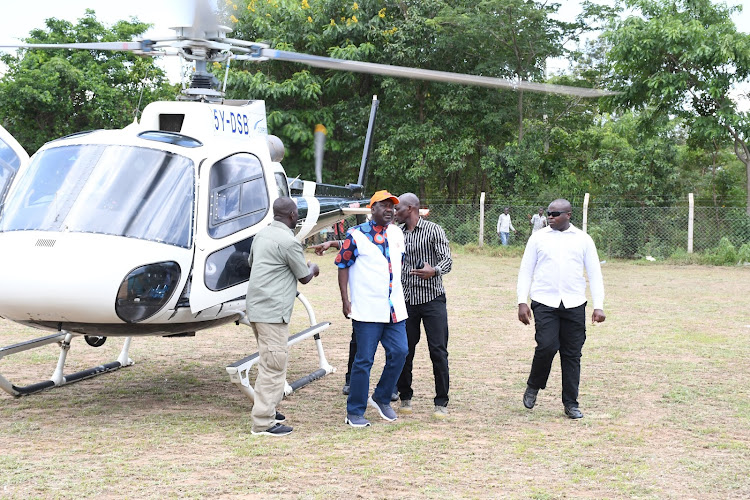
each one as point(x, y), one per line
point(369, 265)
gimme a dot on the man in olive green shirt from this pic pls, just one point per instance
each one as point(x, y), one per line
point(277, 262)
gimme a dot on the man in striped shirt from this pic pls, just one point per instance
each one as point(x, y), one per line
point(426, 259)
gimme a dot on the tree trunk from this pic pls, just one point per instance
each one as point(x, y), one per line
point(520, 116)
point(741, 151)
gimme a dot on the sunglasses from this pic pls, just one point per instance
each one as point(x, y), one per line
point(555, 214)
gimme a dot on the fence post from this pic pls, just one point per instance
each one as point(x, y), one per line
point(481, 219)
point(691, 214)
point(585, 212)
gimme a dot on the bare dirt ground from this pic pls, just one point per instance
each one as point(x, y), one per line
point(664, 391)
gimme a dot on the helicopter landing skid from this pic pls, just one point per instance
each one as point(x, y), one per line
point(239, 372)
point(63, 338)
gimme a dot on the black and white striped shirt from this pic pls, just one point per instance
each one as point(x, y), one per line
point(425, 243)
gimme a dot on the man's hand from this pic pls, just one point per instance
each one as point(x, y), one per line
point(346, 308)
point(524, 313)
point(313, 267)
point(320, 249)
point(425, 273)
point(598, 316)
point(313, 272)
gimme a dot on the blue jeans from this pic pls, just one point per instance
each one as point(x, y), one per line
point(393, 338)
point(504, 238)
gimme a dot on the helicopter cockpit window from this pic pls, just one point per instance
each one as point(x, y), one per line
point(106, 189)
point(239, 197)
point(171, 138)
point(6, 174)
point(282, 185)
point(9, 163)
point(8, 156)
point(228, 266)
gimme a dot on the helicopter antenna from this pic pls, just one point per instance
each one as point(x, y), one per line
point(368, 143)
point(137, 110)
point(226, 75)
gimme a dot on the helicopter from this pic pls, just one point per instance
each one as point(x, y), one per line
point(145, 230)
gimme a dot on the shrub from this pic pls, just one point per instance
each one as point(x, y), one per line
point(743, 255)
point(723, 255)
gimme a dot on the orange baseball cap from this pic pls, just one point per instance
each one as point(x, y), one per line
point(382, 196)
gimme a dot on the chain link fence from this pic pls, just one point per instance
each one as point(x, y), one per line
point(624, 232)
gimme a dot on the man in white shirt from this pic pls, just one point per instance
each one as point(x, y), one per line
point(369, 265)
point(551, 274)
point(538, 221)
point(504, 226)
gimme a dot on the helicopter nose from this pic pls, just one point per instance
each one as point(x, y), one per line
point(70, 277)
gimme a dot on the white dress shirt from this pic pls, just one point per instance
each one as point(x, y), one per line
point(552, 269)
point(504, 225)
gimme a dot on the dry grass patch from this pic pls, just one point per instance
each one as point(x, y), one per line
point(664, 390)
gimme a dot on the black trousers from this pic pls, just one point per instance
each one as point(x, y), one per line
point(564, 330)
point(434, 316)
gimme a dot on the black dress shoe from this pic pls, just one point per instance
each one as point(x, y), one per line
point(573, 412)
point(529, 397)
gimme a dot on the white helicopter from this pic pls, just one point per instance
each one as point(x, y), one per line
point(162, 213)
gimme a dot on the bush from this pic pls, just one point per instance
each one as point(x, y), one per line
point(743, 255)
point(723, 255)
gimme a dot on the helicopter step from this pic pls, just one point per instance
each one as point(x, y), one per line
point(239, 372)
point(58, 378)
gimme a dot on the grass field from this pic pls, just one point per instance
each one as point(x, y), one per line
point(665, 391)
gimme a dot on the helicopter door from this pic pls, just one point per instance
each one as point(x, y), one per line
point(234, 204)
point(12, 156)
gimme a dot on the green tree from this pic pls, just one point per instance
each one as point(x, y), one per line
point(431, 138)
point(298, 97)
point(683, 58)
point(46, 94)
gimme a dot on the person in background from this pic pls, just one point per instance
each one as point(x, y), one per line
point(428, 258)
point(369, 265)
point(538, 221)
point(551, 274)
point(505, 226)
point(277, 262)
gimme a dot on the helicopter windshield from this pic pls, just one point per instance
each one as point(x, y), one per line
point(9, 163)
point(107, 189)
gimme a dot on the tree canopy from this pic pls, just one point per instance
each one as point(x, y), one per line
point(674, 129)
point(684, 58)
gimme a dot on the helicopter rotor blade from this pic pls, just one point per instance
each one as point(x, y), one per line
point(142, 46)
point(421, 74)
